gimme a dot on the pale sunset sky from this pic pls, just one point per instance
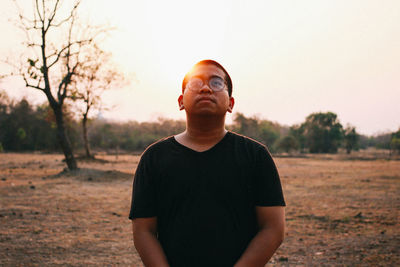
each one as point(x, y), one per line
point(287, 59)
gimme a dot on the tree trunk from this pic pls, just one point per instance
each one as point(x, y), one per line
point(64, 140)
point(85, 136)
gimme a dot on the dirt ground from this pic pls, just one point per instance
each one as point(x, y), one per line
point(340, 211)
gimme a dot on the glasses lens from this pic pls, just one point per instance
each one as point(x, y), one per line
point(195, 84)
point(216, 84)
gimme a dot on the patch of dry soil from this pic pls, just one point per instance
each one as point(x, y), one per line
point(339, 212)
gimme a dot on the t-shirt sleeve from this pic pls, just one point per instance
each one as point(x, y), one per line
point(267, 184)
point(143, 203)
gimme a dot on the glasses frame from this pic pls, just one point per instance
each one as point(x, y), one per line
point(205, 81)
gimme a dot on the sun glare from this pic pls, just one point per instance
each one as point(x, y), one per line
point(181, 36)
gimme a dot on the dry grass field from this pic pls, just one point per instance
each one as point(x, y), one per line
point(341, 211)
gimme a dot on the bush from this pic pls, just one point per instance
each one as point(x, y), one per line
point(395, 144)
point(287, 144)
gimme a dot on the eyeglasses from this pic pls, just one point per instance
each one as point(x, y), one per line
point(217, 84)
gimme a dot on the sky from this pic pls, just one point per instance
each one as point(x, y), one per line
point(287, 59)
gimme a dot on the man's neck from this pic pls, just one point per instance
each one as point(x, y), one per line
point(202, 133)
point(205, 129)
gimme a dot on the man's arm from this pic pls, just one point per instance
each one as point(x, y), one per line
point(146, 242)
point(271, 222)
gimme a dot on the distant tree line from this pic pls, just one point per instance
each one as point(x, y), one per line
point(62, 59)
point(24, 127)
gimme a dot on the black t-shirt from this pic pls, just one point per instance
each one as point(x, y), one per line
point(205, 201)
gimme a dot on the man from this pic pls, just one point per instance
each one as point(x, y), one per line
point(207, 196)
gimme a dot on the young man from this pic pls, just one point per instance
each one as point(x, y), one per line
point(207, 196)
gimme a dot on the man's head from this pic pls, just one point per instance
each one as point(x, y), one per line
point(206, 90)
point(227, 78)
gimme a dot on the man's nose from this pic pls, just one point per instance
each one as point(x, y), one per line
point(206, 89)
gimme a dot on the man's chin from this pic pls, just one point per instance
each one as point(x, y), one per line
point(208, 113)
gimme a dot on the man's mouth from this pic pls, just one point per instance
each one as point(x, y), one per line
point(205, 99)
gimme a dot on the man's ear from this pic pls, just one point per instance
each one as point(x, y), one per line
point(180, 102)
point(231, 104)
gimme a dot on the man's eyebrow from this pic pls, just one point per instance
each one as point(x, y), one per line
point(217, 76)
point(202, 76)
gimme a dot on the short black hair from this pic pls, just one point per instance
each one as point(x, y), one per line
point(210, 62)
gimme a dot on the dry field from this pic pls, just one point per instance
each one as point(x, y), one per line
point(340, 211)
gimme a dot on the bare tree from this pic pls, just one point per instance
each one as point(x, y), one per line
point(54, 43)
point(95, 75)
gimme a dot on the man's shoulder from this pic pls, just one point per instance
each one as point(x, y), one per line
point(158, 145)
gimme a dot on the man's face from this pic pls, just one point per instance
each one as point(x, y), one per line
point(205, 101)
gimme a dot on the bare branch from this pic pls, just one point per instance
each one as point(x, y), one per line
point(72, 14)
point(63, 87)
point(52, 15)
point(25, 24)
point(58, 54)
point(21, 17)
point(26, 20)
point(38, 11)
point(68, 81)
point(32, 44)
point(69, 41)
point(27, 84)
point(32, 28)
